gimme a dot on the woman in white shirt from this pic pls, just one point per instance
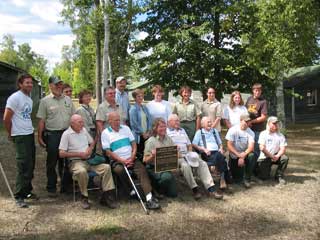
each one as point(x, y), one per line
point(231, 114)
point(159, 108)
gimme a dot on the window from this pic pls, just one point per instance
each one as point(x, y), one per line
point(312, 97)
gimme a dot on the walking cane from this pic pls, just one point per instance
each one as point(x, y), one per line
point(6, 180)
point(135, 189)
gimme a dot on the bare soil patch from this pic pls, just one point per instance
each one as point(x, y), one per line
point(266, 211)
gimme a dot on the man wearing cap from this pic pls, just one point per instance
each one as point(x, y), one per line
point(54, 113)
point(273, 147)
point(122, 98)
point(258, 110)
point(240, 143)
point(107, 106)
point(189, 160)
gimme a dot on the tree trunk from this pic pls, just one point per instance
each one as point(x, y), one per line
point(280, 103)
point(98, 61)
point(106, 75)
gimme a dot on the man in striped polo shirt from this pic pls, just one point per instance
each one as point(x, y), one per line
point(118, 142)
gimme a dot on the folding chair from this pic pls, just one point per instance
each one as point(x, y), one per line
point(91, 175)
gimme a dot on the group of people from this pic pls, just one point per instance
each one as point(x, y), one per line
point(130, 134)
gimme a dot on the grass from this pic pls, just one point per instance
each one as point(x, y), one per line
point(266, 211)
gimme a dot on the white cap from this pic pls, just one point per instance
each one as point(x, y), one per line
point(193, 159)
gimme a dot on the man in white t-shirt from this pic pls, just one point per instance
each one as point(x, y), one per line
point(241, 145)
point(120, 146)
point(18, 123)
point(273, 147)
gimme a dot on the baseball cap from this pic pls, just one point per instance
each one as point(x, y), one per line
point(273, 119)
point(120, 78)
point(245, 117)
point(54, 79)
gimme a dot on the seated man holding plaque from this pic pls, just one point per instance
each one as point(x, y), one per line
point(118, 142)
point(163, 181)
point(189, 160)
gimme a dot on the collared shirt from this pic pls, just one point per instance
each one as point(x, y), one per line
point(212, 141)
point(212, 110)
point(56, 112)
point(180, 138)
point(72, 141)
point(240, 138)
point(88, 116)
point(118, 142)
point(155, 142)
point(122, 99)
point(21, 105)
point(272, 141)
point(187, 112)
point(103, 109)
point(233, 114)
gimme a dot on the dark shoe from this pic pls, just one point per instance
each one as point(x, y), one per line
point(108, 201)
point(52, 194)
point(32, 196)
point(21, 203)
point(158, 195)
point(216, 195)
point(152, 204)
point(85, 203)
point(196, 194)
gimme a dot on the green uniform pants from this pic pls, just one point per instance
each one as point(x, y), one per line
point(189, 127)
point(245, 172)
point(265, 164)
point(25, 156)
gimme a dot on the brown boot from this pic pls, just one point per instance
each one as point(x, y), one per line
point(108, 200)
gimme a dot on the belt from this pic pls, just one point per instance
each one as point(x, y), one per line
point(55, 131)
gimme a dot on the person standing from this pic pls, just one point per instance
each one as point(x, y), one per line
point(67, 90)
point(54, 113)
point(188, 111)
point(18, 124)
point(122, 98)
point(258, 111)
point(211, 107)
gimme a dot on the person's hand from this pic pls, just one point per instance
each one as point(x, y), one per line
point(208, 152)
point(153, 152)
point(145, 135)
point(221, 150)
point(89, 151)
point(242, 155)
point(41, 142)
point(241, 162)
point(129, 162)
point(10, 139)
point(275, 158)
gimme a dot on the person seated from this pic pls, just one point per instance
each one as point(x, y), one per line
point(272, 145)
point(164, 182)
point(118, 142)
point(240, 143)
point(189, 160)
point(207, 141)
point(76, 145)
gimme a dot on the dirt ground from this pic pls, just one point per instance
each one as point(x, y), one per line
point(266, 211)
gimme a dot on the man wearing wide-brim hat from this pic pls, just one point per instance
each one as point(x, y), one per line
point(54, 113)
point(272, 145)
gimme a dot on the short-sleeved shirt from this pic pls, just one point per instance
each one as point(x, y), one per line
point(212, 141)
point(155, 142)
point(272, 142)
point(212, 110)
point(257, 107)
point(72, 141)
point(88, 116)
point(159, 109)
point(187, 112)
point(233, 114)
point(21, 105)
point(118, 142)
point(56, 112)
point(180, 138)
point(240, 138)
point(122, 99)
point(103, 109)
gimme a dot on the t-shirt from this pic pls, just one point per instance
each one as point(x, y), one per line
point(272, 141)
point(233, 114)
point(212, 141)
point(240, 138)
point(159, 109)
point(72, 141)
point(257, 107)
point(21, 105)
point(180, 138)
point(118, 142)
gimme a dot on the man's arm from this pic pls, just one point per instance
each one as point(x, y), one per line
point(65, 154)
point(7, 117)
point(268, 154)
point(41, 127)
point(260, 119)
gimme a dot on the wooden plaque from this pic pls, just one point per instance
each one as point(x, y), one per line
point(166, 159)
